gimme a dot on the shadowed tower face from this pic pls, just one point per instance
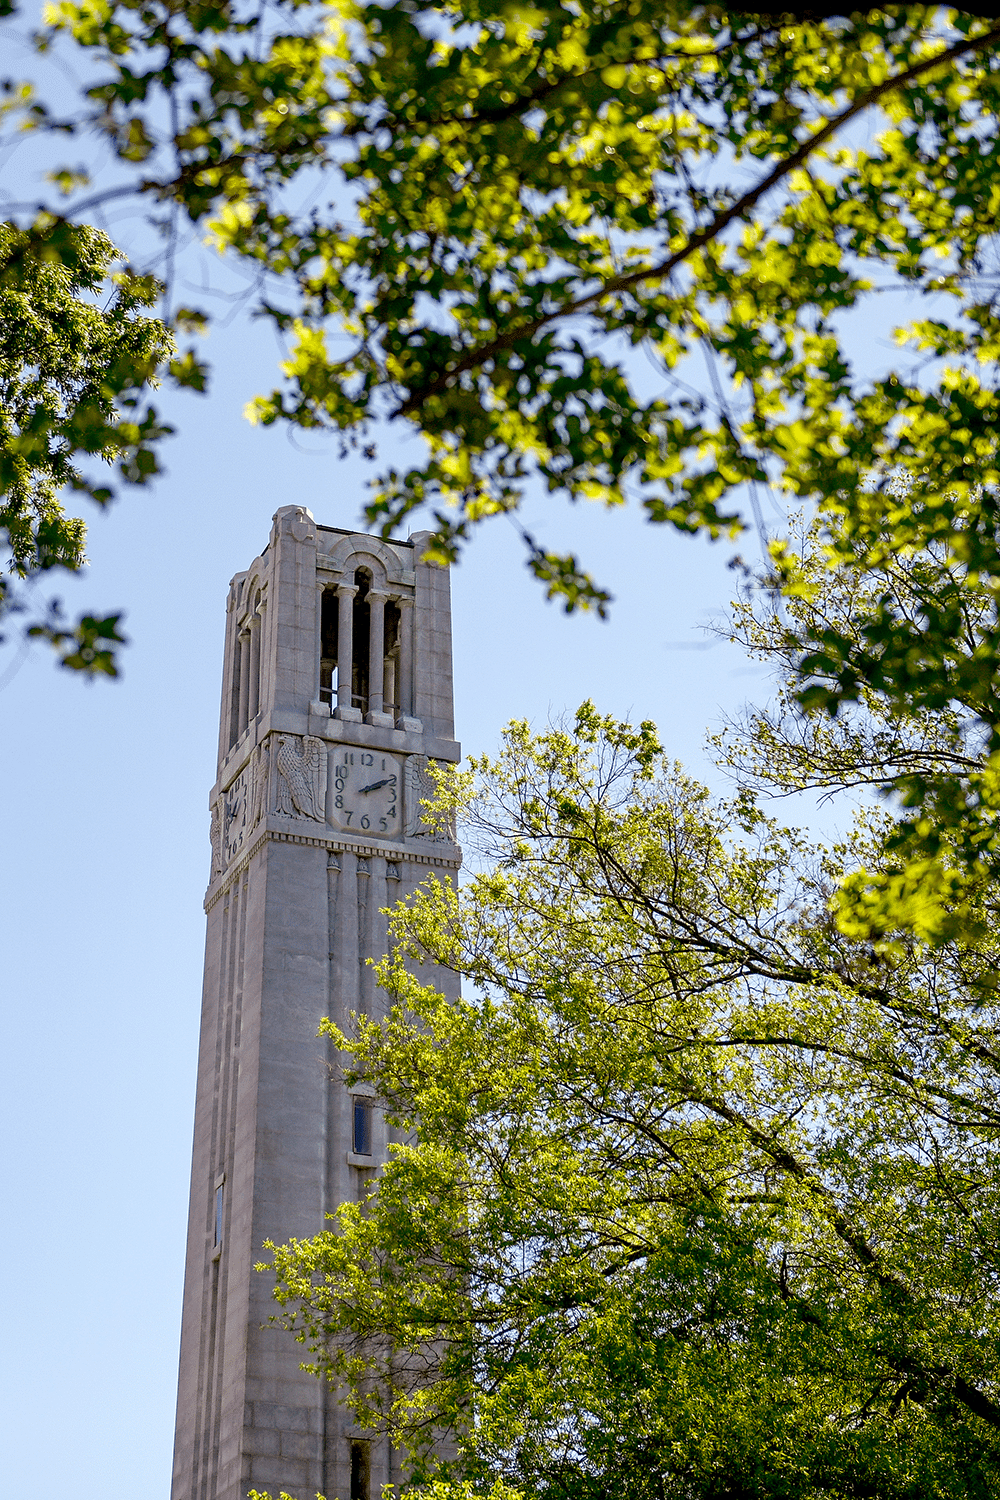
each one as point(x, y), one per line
point(337, 691)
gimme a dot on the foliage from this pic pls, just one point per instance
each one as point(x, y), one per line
point(910, 638)
point(437, 1490)
point(74, 381)
point(531, 191)
point(548, 220)
point(691, 1194)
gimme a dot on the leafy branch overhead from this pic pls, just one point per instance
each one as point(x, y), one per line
point(528, 193)
point(74, 382)
point(614, 251)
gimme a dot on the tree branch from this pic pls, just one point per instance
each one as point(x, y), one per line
point(625, 281)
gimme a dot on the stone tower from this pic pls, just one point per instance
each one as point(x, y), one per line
point(337, 690)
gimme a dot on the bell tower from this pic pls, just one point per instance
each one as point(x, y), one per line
point(337, 692)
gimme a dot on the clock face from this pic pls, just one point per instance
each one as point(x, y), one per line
point(367, 792)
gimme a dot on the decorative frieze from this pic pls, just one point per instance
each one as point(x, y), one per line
point(439, 856)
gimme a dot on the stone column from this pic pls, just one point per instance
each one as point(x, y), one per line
point(229, 727)
point(389, 682)
point(405, 687)
point(345, 974)
point(345, 651)
point(375, 939)
point(362, 973)
point(244, 715)
point(376, 653)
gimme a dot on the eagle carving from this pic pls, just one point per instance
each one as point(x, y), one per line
point(302, 777)
point(261, 776)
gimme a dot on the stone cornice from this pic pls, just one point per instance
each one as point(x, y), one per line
point(441, 856)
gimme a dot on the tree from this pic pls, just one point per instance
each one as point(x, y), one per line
point(693, 1194)
point(534, 205)
point(902, 642)
point(74, 383)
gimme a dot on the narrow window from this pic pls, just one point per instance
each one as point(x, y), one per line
point(362, 1127)
point(360, 1471)
point(329, 622)
point(220, 1190)
point(234, 713)
point(256, 625)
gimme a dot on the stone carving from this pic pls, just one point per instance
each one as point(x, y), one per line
point(261, 776)
point(302, 777)
point(294, 521)
point(420, 787)
point(215, 834)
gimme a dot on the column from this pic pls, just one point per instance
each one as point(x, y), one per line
point(376, 652)
point(345, 973)
point(231, 686)
point(389, 682)
point(375, 939)
point(244, 680)
point(345, 651)
point(254, 666)
point(362, 973)
point(405, 691)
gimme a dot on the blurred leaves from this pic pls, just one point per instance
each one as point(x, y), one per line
point(88, 646)
point(78, 358)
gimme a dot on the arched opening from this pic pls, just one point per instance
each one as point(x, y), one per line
point(365, 652)
point(246, 674)
point(256, 623)
point(361, 641)
point(390, 672)
point(329, 649)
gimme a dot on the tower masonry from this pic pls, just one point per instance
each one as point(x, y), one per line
point(337, 694)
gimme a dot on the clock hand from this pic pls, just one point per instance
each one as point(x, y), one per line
point(376, 784)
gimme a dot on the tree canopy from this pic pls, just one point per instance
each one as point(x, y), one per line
point(78, 355)
point(613, 251)
point(525, 194)
point(693, 1194)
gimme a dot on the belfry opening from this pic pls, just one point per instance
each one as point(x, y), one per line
point(363, 664)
